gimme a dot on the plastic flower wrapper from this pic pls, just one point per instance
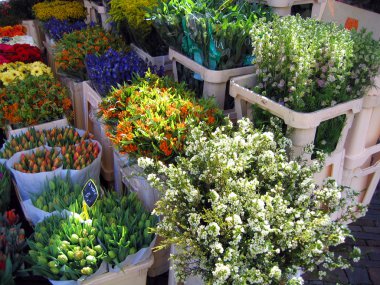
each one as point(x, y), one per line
point(153, 116)
point(57, 28)
point(252, 215)
point(114, 68)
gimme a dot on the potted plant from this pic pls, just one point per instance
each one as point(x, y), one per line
point(312, 87)
point(42, 98)
point(252, 215)
point(5, 188)
point(12, 243)
point(211, 39)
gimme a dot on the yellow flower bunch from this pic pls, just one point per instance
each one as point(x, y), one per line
point(19, 70)
point(62, 10)
point(134, 12)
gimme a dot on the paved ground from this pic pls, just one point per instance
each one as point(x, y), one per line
point(367, 236)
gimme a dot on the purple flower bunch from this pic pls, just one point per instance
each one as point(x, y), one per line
point(113, 68)
point(57, 28)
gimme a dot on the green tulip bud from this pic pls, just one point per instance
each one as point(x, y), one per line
point(41, 260)
point(52, 264)
point(91, 252)
point(62, 258)
point(82, 263)
point(98, 248)
point(78, 255)
point(111, 254)
point(86, 271)
point(74, 238)
point(54, 270)
point(70, 255)
point(91, 260)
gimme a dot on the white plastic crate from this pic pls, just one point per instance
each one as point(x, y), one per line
point(158, 61)
point(215, 81)
point(76, 93)
point(45, 126)
point(283, 7)
point(93, 10)
point(304, 125)
point(91, 99)
point(340, 12)
point(49, 45)
point(33, 30)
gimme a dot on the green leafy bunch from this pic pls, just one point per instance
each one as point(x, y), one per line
point(5, 187)
point(242, 212)
point(214, 33)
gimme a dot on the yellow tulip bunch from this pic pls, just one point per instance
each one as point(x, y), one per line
point(19, 70)
point(62, 10)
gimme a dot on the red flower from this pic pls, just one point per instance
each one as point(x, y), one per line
point(11, 217)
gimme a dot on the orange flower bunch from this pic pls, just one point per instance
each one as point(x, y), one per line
point(12, 31)
point(72, 49)
point(32, 101)
point(153, 116)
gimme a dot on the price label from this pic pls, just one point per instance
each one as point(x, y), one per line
point(90, 193)
point(351, 23)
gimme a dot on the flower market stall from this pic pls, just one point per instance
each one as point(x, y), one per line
point(185, 141)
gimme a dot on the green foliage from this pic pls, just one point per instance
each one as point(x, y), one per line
point(5, 188)
point(213, 33)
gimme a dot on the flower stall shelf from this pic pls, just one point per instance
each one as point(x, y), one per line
point(75, 87)
point(45, 126)
point(49, 45)
point(33, 29)
point(303, 125)
point(96, 11)
point(157, 61)
point(215, 81)
point(91, 102)
point(283, 7)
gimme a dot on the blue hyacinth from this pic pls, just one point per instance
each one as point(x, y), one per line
point(113, 68)
point(57, 28)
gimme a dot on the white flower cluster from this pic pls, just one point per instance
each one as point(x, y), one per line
point(239, 212)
